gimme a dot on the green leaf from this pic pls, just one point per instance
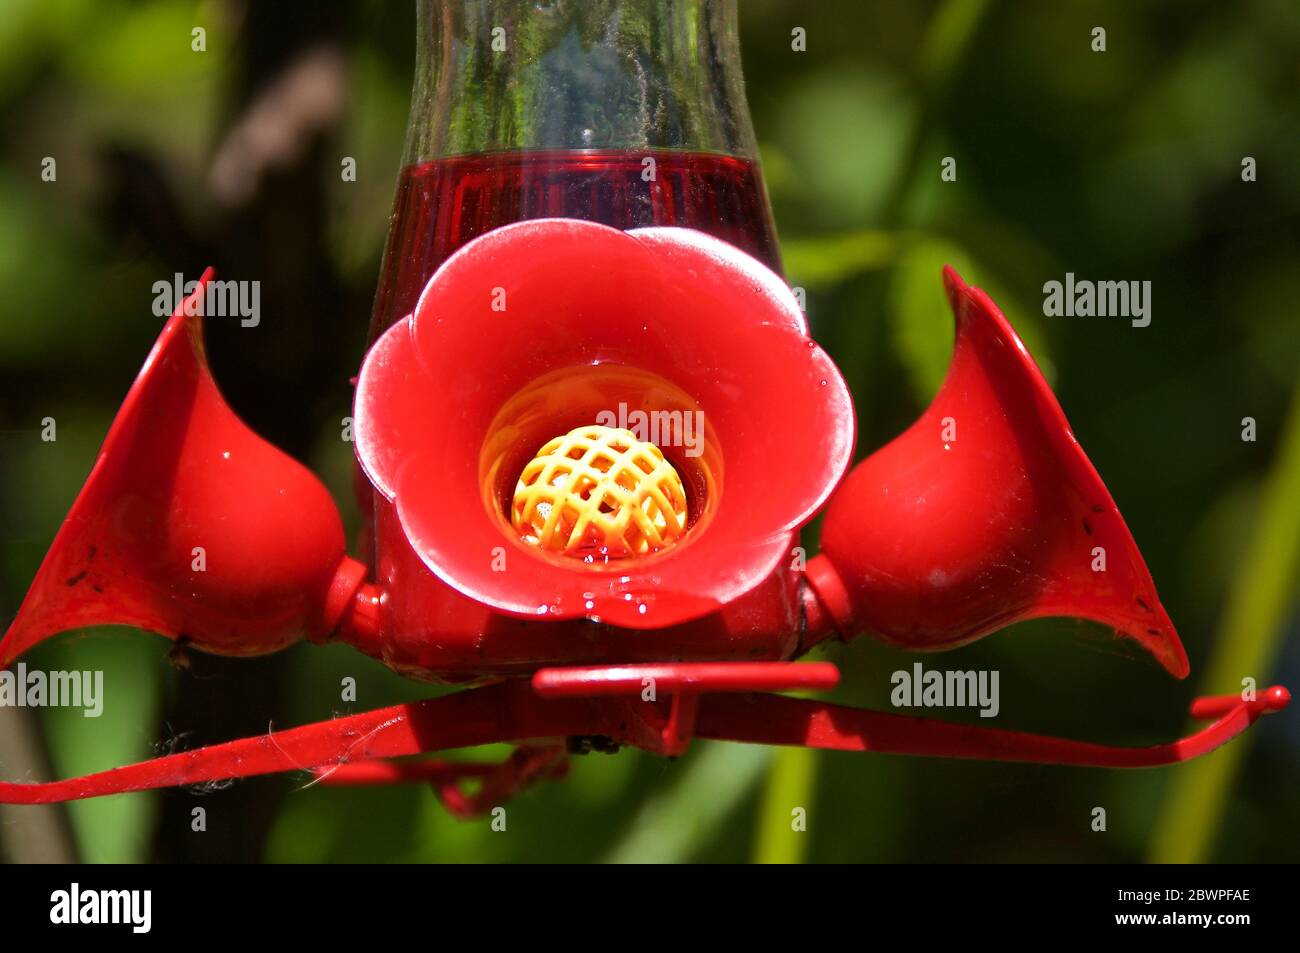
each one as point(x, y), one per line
point(948, 37)
point(920, 316)
point(824, 262)
point(674, 825)
point(109, 830)
point(791, 785)
point(1248, 645)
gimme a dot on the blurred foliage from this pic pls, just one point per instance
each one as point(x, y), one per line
point(781, 834)
point(1116, 165)
point(1250, 640)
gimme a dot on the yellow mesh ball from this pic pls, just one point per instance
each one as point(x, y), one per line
point(599, 491)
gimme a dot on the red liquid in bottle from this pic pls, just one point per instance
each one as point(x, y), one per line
point(445, 203)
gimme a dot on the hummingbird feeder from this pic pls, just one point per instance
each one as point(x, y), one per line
point(562, 581)
point(587, 250)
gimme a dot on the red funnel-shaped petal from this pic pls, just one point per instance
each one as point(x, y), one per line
point(543, 326)
point(985, 512)
point(190, 524)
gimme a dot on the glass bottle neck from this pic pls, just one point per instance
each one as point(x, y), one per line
point(626, 112)
point(577, 74)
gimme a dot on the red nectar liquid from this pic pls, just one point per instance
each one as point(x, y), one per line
point(445, 203)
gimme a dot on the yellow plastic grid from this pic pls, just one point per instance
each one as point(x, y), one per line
point(599, 490)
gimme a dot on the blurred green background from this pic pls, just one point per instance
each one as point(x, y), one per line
point(1117, 165)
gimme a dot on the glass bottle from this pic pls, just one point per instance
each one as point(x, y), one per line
point(625, 112)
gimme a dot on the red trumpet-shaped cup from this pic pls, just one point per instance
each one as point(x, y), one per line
point(541, 327)
point(190, 524)
point(985, 512)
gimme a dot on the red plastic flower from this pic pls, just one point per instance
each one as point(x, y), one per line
point(540, 327)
